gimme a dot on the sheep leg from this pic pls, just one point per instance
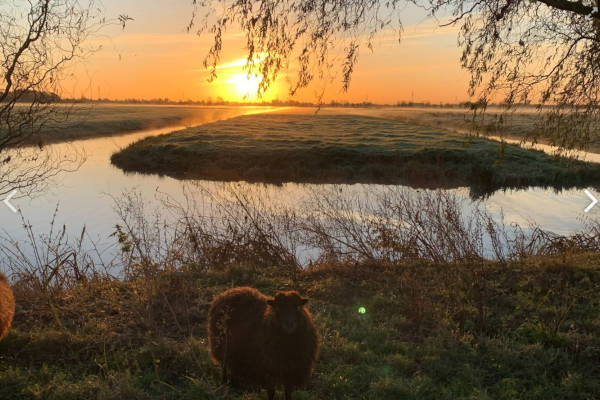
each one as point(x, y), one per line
point(225, 358)
point(271, 393)
point(288, 393)
point(224, 374)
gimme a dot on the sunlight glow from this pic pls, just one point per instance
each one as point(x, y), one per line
point(244, 85)
point(242, 62)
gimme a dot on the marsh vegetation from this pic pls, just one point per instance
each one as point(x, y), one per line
point(445, 318)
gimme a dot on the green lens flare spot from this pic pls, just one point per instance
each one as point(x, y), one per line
point(362, 310)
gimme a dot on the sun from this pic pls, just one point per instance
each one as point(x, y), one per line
point(245, 85)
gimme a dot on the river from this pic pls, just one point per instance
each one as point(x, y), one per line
point(84, 197)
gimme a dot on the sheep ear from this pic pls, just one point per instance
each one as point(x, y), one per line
point(303, 300)
point(271, 301)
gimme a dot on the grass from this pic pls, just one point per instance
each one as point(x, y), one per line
point(494, 121)
point(277, 148)
point(527, 330)
point(526, 124)
point(94, 120)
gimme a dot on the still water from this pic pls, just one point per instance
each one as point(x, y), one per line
point(85, 197)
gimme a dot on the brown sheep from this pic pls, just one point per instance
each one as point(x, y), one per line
point(7, 306)
point(263, 342)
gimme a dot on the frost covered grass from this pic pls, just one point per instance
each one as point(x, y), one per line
point(523, 125)
point(495, 121)
point(81, 121)
point(276, 148)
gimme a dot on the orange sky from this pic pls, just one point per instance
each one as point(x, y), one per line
point(154, 58)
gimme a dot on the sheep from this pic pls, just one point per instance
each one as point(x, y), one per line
point(7, 306)
point(263, 342)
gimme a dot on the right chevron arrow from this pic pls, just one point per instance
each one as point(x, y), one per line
point(592, 198)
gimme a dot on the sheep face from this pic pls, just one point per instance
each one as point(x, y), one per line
point(288, 310)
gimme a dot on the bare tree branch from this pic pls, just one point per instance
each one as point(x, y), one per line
point(576, 7)
point(38, 39)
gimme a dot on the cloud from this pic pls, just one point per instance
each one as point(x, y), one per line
point(240, 62)
point(236, 64)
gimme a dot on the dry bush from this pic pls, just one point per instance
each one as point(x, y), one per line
point(236, 226)
point(46, 267)
point(239, 224)
point(397, 225)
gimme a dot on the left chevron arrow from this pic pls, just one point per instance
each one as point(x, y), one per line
point(6, 201)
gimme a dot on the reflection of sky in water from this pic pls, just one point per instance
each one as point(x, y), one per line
point(561, 213)
point(84, 197)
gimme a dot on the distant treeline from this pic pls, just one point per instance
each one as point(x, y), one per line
point(284, 103)
point(52, 97)
point(29, 96)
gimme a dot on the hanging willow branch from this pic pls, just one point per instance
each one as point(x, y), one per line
point(545, 52)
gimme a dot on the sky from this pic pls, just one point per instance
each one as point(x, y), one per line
point(154, 57)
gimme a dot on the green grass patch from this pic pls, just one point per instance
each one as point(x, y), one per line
point(527, 330)
point(276, 148)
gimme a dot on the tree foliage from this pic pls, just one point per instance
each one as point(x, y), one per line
point(544, 52)
point(318, 35)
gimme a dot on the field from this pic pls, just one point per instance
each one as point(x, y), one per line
point(346, 148)
point(526, 330)
point(493, 122)
point(81, 121)
point(524, 124)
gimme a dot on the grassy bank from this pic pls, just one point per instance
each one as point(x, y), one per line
point(525, 124)
point(81, 121)
point(527, 330)
point(277, 148)
point(494, 121)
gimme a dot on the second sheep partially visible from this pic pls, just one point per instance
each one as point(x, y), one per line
point(263, 342)
point(7, 306)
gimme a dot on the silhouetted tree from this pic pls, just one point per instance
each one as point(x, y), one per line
point(545, 52)
point(542, 51)
point(38, 40)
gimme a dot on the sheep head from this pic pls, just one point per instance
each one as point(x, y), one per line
point(288, 310)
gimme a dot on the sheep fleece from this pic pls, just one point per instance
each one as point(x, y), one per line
point(258, 355)
point(7, 306)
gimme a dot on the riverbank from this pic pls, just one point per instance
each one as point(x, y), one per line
point(279, 148)
point(527, 330)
